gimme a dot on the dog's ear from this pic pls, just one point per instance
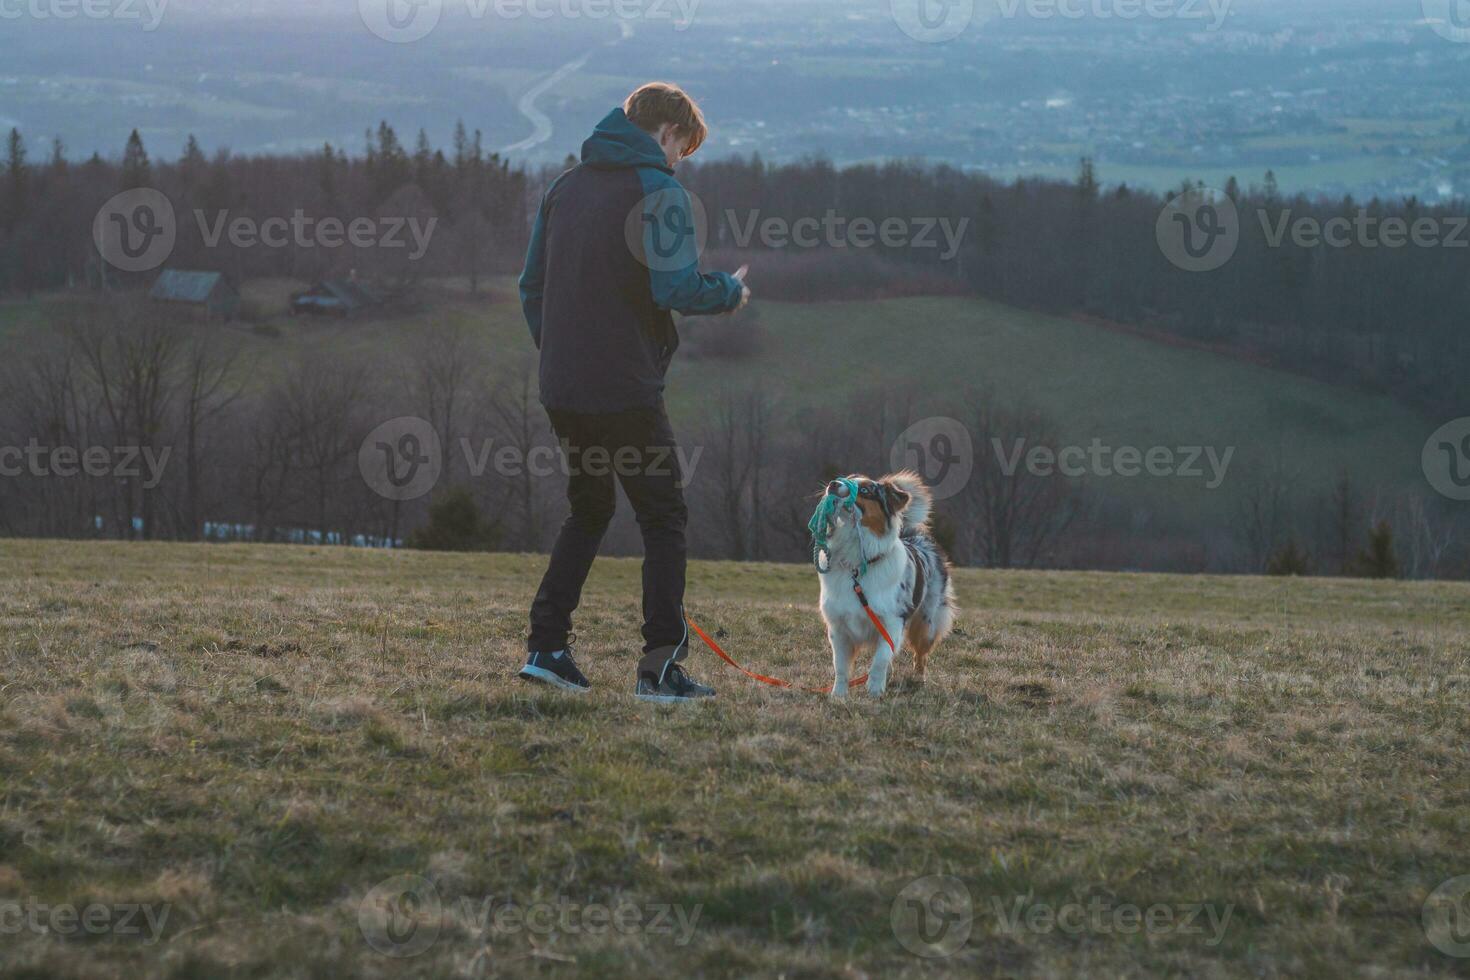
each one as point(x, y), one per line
point(897, 499)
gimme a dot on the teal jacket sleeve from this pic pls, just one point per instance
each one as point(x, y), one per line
point(671, 248)
point(533, 276)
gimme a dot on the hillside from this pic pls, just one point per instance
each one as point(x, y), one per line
point(249, 740)
point(1090, 382)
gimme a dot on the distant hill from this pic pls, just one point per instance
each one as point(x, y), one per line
point(1091, 382)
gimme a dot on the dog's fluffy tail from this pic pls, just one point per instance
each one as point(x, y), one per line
point(916, 514)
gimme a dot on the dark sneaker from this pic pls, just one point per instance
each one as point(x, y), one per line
point(676, 686)
point(557, 669)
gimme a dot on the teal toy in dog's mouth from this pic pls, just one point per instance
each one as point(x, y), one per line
point(821, 524)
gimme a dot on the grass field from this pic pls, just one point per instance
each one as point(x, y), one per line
point(247, 740)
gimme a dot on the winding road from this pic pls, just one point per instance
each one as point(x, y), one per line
point(541, 127)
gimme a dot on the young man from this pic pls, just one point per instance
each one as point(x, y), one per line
point(612, 254)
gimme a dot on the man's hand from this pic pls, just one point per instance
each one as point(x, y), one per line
point(739, 277)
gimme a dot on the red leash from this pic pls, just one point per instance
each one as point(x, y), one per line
point(776, 681)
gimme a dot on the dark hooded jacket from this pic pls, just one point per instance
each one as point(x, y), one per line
point(613, 254)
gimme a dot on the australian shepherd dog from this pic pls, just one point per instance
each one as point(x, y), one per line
point(879, 547)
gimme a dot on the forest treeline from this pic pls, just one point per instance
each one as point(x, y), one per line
point(277, 460)
point(1359, 310)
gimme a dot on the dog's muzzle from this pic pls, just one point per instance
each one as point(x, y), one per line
point(837, 488)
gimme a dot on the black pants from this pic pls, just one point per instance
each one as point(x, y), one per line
point(634, 448)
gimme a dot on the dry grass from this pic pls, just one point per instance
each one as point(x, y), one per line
point(254, 737)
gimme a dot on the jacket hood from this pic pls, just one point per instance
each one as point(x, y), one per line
point(616, 142)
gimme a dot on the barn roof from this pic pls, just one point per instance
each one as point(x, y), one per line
point(180, 286)
point(349, 294)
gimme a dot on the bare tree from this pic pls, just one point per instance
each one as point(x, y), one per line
point(320, 399)
point(1430, 536)
point(1015, 514)
point(130, 355)
point(1265, 519)
point(210, 384)
point(734, 449)
point(442, 369)
point(518, 419)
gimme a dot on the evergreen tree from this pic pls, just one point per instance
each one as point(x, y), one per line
point(392, 166)
point(455, 525)
point(15, 180)
point(192, 164)
point(461, 147)
point(1290, 560)
point(1087, 180)
point(136, 170)
point(1378, 559)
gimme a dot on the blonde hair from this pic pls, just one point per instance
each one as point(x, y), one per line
point(652, 105)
